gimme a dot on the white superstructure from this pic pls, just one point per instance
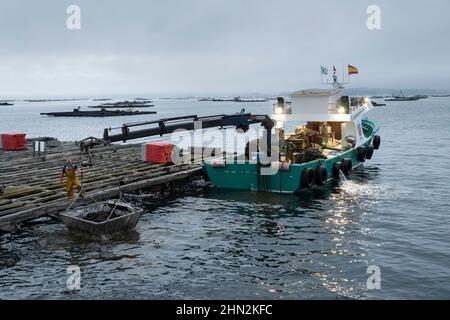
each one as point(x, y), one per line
point(324, 106)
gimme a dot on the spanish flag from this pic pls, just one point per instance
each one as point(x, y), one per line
point(352, 70)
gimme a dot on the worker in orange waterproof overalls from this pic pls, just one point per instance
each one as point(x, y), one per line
point(71, 171)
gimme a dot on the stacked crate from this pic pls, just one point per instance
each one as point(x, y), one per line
point(160, 153)
point(13, 141)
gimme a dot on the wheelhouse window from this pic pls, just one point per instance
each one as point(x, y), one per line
point(343, 105)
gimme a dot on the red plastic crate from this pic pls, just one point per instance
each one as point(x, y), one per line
point(160, 153)
point(14, 141)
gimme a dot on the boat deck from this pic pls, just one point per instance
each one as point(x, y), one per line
point(30, 187)
point(332, 150)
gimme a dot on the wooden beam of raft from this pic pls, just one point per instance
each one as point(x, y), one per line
point(6, 222)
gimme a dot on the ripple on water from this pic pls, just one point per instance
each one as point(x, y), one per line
point(203, 242)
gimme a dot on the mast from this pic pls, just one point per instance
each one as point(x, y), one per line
point(336, 84)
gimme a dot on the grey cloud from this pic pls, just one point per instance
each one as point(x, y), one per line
point(213, 46)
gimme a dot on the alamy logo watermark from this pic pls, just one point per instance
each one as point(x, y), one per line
point(374, 19)
point(260, 150)
point(74, 280)
point(374, 280)
point(73, 22)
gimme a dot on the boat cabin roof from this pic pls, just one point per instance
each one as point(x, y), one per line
point(314, 93)
point(321, 105)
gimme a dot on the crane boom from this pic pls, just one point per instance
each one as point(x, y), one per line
point(191, 122)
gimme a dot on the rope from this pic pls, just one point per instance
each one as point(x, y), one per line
point(117, 203)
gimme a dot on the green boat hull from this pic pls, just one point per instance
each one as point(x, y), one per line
point(246, 175)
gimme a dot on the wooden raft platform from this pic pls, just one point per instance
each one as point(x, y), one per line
point(30, 187)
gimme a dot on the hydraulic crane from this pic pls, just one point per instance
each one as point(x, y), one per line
point(161, 127)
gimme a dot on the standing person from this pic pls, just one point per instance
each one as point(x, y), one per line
point(71, 171)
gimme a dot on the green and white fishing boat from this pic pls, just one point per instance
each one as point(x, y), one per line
point(322, 134)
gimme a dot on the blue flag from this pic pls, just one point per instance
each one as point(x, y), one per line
point(323, 70)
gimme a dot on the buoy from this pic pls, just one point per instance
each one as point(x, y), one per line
point(218, 164)
point(361, 154)
point(282, 166)
point(307, 179)
point(369, 152)
point(321, 176)
point(337, 167)
point(376, 142)
point(347, 165)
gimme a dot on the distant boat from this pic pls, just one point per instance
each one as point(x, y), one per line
point(402, 97)
point(55, 100)
point(235, 99)
point(128, 104)
point(422, 96)
point(101, 113)
point(115, 106)
point(239, 99)
point(376, 104)
point(5, 103)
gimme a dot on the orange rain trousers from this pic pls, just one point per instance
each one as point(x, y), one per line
point(72, 181)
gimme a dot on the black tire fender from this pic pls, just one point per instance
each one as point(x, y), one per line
point(337, 167)
point(347, 166)
point(376, 142)
point(361, 153)
point(369, 152)
point(307, 178)
point(321, 175)
point(205, 173)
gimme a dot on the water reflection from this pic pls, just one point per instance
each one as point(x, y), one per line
point(329, 219)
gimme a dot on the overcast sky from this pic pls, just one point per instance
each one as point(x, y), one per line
point(218, 46)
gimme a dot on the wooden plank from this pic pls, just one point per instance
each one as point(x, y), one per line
point(52, 208)
point(32, 186)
